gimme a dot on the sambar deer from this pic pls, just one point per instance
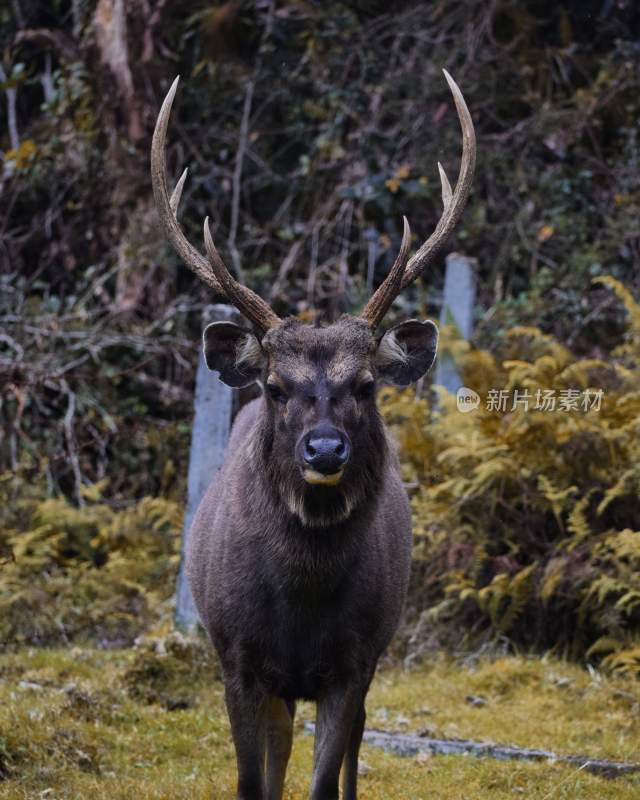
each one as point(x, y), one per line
point(299, 554)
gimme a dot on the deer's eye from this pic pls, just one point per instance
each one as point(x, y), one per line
point(276, 393)
point(366, 390)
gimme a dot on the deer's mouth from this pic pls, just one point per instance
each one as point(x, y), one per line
point(316, 478)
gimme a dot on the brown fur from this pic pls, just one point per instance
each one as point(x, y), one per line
point(301, 587)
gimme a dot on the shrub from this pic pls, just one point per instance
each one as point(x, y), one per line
point(527, 523)
point(84, 573)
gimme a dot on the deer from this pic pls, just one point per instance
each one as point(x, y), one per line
point(299, 555)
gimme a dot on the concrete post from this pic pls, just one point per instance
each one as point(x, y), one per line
point(210, 434)
point(457, 309)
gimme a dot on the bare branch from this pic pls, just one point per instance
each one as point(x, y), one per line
point(12, 117)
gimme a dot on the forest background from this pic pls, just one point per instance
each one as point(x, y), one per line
point(309, 129)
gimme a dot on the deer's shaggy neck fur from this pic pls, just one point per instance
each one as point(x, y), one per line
point(316, 506)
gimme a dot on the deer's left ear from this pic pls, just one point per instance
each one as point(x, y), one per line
point(407, 351)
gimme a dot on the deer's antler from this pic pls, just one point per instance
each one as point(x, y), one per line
point(213, 271)
point(454, 202)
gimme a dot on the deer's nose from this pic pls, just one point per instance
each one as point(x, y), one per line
point(325, 450)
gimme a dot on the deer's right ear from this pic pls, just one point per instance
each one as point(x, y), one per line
point(234, 352)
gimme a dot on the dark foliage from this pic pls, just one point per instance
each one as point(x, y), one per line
point(309, 128)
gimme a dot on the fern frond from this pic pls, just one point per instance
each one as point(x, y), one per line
point(628, 482)
point(624, 662)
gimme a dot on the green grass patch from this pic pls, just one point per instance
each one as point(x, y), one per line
point(150, 723)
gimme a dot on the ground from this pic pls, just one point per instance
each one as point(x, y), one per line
point(150, 723)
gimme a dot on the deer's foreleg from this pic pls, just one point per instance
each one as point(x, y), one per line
point(338, 713)
point(279, 740)
point(247, 709)
point(350, 765)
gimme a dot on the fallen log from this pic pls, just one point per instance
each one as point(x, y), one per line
point(404, 744)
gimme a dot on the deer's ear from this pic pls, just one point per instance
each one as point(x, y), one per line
point(407, 351)
point(234, 352)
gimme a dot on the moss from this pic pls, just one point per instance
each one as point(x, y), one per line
point(170, 671)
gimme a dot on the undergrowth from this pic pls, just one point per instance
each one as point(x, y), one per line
point(90, 573)
point(527, 521)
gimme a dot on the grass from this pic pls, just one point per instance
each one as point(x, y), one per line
point(82, 723)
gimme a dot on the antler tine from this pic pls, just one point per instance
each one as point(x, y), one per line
point(446, 187)
point(166, 207)
point(247, 302)
point(453, 203)
point(176, 195)
point(388, 290)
